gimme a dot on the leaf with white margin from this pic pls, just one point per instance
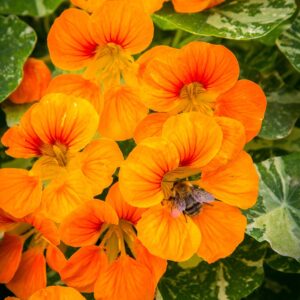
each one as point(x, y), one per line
point(231, 278)
point(237, 19)
point(276, 216)
point(17, 41)
point(282, 263)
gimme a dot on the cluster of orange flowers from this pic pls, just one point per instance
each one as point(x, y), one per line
point(179, 191)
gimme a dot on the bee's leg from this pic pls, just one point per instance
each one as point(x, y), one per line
point(185, 216)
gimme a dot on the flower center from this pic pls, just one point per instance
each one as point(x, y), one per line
point(110, 64)
point(57, 151)
point(197, 98)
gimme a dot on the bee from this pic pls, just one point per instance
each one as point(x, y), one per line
point(188, 198)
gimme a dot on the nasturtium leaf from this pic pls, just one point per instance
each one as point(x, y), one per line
point(14, 112)
point(239, 20)
point(276, 216)
point(289, 43)
point(282, 112)
point(17, 41)
point(231, 278)
point(36, 8)
point(283, 263)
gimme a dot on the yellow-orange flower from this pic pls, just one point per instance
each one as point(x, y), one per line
point(36, 77)
point(56, 129)
point(156, 176)
point(103, 43)
point(105, 230)
point(203, 77)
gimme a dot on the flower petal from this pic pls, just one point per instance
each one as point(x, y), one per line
point(20, 193)
point(245, 102)
point(122, 208)
point(76, 85)
point(83, 226)
point(222, 228)
point(57, 293)
point(83, 267)
point(150, 126)
point(142, 173)
point(197, 138)
point(236, 183)
point(55, 258)
point(31, 274)
point(66, 120)
point(70, 43)
point(122, 112)
point(116, 22)
point(11, 247)
point(172, 238)
point(125, 279)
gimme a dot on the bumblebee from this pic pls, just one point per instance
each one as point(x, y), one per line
point(188, 198)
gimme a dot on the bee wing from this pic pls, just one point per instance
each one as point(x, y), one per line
point(202, 196)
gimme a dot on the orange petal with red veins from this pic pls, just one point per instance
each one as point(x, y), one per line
point(7, 222)
point(36, 77)
point(122, 111)
point(99, 161)
point(70, 43)
point(31, 274)
point(150, 126)
point(153, 53)
point(116, 22)
point(172, 238)
point(125, 279)
point(45, 226)
point(10, 256)
point(21, 140)
point(156, 264)
point(152, 6)
point(232, 144)
point(20, 193)
point(235, 184)
point(57, 293)
point(193, 6)
point(122, 208)
point(55, 258)
point(64, 194)
point(65, 120)
point(83, 267)
point(198, 138)
point(245, 102)
point(222, 228)
point(83, 226)
point(76, 85)
point(142, 173)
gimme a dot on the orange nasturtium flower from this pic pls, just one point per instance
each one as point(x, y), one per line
point(103, 43)
point(25, 273)
point(193, 6)
point(55, 130)
point(111, 262)
point(184, 215)
point(36, 77)
point(203, 77)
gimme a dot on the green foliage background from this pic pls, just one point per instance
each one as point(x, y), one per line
point(265, 37)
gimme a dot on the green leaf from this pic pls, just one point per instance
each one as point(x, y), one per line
point(239, 20)
point(276, 216)
point(36, 8)
point(14, 112)
point(289, 43)
point(283, 263)
point(17, 41)
point(282, 112)
point(231, 278)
